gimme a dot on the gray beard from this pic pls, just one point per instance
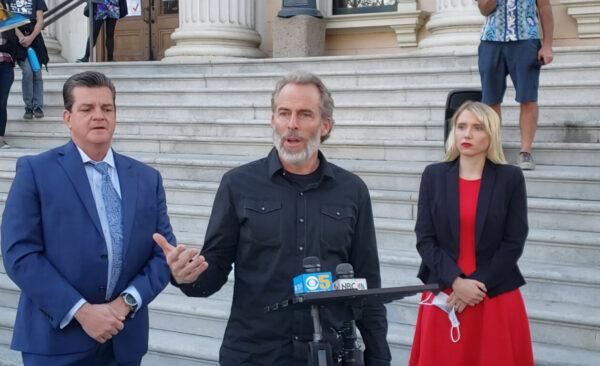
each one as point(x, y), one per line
point(296, 158)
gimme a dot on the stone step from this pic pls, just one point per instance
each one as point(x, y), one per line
point(357, 63)
point(572, 248)
point(561, 182)
point(567, 92)
point(550, 111)
point(555, 72)
point(551, 323)
point(9, 357)
point(574, 154)
point(165, 347)
point(173, 347)
point(586, 132)
point(551, 282)
point(546, 214)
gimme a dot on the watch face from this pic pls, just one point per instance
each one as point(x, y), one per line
point(129, 299)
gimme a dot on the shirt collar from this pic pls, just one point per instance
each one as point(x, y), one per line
point(274, 164)
point(108, 158)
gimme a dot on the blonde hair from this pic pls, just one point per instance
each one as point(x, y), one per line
point(491, 123)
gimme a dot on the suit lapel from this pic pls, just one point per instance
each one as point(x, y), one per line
point(128, 180)
point(485, 195)
point(70, 161)
point(452, 202)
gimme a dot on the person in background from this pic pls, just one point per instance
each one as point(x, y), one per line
point(8, 44)
point(30, 35)
point(471, 229)
point(105, 12)
point(510, 45)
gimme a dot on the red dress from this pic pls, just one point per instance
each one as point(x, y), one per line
point(494, 332)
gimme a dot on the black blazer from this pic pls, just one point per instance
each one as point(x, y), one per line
point(10, 45)
point(500, 226)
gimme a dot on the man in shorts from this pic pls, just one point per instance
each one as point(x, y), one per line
point(510, 44)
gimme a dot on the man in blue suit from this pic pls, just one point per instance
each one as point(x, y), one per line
point(77, 240)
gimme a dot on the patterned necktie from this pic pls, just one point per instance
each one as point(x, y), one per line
point(112, 206)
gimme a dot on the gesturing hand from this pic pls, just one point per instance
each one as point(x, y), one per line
point(470, 291)
point(186, 264)
point(101, 322)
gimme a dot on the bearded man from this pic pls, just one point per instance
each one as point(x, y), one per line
point(268, 216)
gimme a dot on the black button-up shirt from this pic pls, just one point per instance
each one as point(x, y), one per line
point(266, 222)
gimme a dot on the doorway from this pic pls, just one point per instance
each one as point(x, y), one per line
point(145, 33)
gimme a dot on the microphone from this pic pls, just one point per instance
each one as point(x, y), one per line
point(312, 280)
point(345, 278)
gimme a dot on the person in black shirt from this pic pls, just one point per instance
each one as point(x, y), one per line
point(268, 216)
point(30, 36)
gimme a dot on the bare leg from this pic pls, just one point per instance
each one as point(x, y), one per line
point(528, 120)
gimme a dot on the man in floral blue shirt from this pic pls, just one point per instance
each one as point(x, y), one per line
point(510, 45)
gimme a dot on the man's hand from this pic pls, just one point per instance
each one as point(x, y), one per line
point(101, 322)
point(486, 7)
point(545, 54)
point(26, 41)
point(469, 291)
point(186, 264)
point(456, 303)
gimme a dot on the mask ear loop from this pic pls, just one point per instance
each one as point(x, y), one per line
point(454, 325)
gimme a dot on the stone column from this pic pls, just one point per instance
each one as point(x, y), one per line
point(456, 24)
point(49, 34)
point(209, 28)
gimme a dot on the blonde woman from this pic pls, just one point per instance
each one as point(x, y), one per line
point(471, 229)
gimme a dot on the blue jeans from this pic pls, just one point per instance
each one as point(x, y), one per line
point(6, 79)
point(32, 85)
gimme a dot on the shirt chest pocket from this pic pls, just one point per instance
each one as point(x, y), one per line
point(337, 225)
point(262, 221)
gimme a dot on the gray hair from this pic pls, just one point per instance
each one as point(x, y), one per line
point(306, 78)
point(86, 79)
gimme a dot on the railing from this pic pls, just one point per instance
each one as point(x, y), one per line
point(66, 7)
point(60, 10)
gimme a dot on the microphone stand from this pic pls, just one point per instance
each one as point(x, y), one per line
point(319, 352)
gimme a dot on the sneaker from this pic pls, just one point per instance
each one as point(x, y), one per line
point(3, 144)
point(80, 60)
point(28, 114)
point(525, 161)
point(38, 113)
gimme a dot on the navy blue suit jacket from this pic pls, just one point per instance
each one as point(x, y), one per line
point(500, 226)
point(54, 250)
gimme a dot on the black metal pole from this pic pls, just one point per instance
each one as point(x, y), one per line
point(92, 57)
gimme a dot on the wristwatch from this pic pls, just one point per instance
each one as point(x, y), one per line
point(130, 301)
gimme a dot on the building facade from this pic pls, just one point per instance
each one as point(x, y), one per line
point(183, 30)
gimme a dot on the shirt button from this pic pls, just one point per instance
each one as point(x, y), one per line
point(262, 208)
point(301, 220)
point(296, 338)
point(302, 193)
point(337, 213)
point(300, 248)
